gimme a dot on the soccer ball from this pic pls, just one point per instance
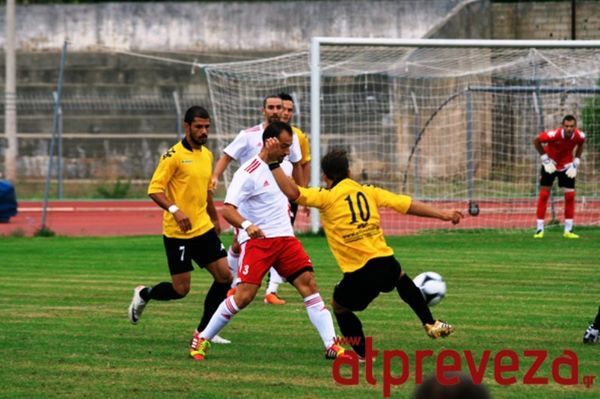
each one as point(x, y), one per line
point(432, 287)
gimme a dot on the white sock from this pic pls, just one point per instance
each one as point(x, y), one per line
point(568, 225)
point(226, 310)
point(540, 224)
point(233, 260)
point(320, 318)
point(274, 280)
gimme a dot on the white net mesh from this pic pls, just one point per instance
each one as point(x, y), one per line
point(445, 125)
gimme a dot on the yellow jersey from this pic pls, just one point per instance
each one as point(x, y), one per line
point(304, 145)
point(184, 175)
point(350, 217)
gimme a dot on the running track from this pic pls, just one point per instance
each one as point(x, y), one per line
point(143, 217)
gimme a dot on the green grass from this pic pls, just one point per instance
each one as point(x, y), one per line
point(64, 330)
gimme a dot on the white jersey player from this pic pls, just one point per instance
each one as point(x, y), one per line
point(246, 145)
point(255, 204)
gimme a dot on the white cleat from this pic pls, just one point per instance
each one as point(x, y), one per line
point(137, 305)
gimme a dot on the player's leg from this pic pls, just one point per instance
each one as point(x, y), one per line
point(348, 292)
point(209, 253)
point(568, 186)
point(256, 259)
point(591, 334)
point(295, 265)
point(233, 260)
point(411, 294)
point(271, 296)
point(546, 180)
point(180, 267)
point(318, 314)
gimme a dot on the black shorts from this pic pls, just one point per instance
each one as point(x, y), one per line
point(564, 181)
point(203, 249)
point(358, 289)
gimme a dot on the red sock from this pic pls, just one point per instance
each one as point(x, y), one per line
point(569, 204)
point(542, 204)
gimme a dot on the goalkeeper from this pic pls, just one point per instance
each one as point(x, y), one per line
point(556, 151)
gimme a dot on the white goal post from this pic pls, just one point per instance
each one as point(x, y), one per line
point(450, 122)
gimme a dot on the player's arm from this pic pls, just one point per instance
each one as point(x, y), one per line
point(306, 174)
point(298, 173)
point(579, 150)
point(418, 208)
point(537, 143)
point(212, 211)
point(161, 199)
point(231, 214)
point(548, 163)
point(220, 167)
point(286, 185)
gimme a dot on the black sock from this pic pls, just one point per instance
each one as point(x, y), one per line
point(216, 294)
point(161, 292)
point(412, 295)
point(597, 321)
point(351, 327)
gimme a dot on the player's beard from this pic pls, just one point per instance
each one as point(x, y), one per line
point(274, 118)
point(199, 141)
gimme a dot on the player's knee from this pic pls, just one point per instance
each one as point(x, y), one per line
point(338, 309)
point(243, 298)
point(182, 288)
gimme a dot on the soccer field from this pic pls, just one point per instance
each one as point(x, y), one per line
point(65, 331)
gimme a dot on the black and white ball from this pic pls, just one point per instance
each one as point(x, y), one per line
point(432, 287)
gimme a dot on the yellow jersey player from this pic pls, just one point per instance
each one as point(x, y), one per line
point(181, 185)
point(351, 221)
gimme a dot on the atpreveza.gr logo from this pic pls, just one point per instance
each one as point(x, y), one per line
point(506, 365)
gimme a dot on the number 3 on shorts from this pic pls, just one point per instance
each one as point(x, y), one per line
point(245, 269)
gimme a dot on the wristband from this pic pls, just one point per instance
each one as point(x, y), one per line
point(576, 162)
point(245, 224)
point(173, 208)
point(274, 165)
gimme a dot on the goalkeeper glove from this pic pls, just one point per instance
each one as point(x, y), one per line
point(572, 169)
point(548, 164)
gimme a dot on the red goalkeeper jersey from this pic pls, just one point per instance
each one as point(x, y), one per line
point(559, 148)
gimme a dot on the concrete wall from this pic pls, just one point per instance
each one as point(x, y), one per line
point(545, 20)
point(220, 26)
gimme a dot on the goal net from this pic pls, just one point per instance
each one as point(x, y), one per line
point(449, 122)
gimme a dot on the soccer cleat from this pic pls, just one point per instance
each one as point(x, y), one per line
point(137, 305)
point(438, 329)
point(570, 234)
point(198, 347)
point(334, 351)
point(591, 335)
point(217, 339)
point(273, 299)
point(539, 234)
point(231, 292)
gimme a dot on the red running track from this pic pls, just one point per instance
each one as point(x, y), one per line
point(143, 217)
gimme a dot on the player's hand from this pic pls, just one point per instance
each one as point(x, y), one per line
point(453, 216)
point(255, 232)
point(572, 168)
point(272, 147)
point(214, 183)
point(548, 164)
point(183, 221)
point(306, 211)
point(217, 225)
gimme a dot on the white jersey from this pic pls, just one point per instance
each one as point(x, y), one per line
point(249, 142)
point(255, 193)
